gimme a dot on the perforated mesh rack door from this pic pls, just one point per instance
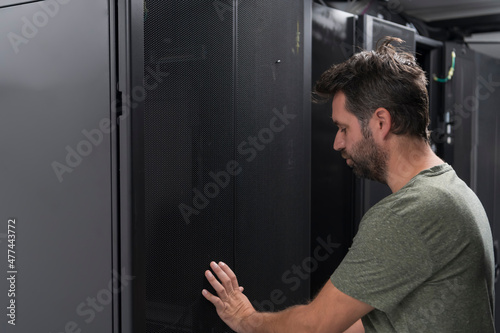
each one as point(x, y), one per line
point(273, 190)
point(189, 134)
point(217, 73)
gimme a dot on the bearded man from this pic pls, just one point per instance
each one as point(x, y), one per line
point(422, 260)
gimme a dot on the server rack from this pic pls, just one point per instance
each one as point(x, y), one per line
point(56, 170)
point(471, 135)
point(87, 178)
point(221, 154)
point(121, 115)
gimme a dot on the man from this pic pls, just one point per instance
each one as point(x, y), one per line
point(422, 260)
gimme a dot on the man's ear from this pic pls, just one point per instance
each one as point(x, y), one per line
point(382, 122)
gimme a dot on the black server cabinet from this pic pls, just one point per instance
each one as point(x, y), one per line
point(472, 140)
point(487, 142)
point(215, 144)
point(56, 198)
point(139, 141)
point(460, 112)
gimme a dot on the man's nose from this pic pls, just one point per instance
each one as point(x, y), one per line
point(339, 142)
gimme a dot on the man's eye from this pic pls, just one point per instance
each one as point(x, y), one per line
point(342, 130)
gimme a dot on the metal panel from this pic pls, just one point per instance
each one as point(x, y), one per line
point(130, 119)
point(188, 146)
point(56, 173)
point(273, 143)
point(216, 73)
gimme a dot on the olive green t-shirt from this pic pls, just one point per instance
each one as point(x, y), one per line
point(423, 258)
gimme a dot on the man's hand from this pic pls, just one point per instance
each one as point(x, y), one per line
point(330, 311)
point(233, 307)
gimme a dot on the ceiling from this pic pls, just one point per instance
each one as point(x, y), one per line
point(477, 21)
point(438, 10)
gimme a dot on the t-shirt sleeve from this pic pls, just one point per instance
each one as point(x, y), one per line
point(385, 263)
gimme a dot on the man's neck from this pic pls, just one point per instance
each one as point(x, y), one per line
point(410, 157)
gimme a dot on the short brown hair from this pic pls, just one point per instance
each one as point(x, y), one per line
point(386, 78)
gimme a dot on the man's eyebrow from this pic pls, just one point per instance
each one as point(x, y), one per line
point(337, 123)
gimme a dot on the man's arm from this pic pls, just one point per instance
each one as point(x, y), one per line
point(331, 311)
point(356, 328)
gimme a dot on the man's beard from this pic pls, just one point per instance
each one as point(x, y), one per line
point(368, 160)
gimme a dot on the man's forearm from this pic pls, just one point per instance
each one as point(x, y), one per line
point(330, 311)
point(293, 319)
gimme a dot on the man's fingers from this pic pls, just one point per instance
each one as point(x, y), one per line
point(219, 288)
point(212, 298)
point(223, 277)
point(230, 274)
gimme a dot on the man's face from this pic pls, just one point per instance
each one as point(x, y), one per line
point(362, 154)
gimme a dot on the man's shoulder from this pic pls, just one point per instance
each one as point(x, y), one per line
point(440, 213)
point(433, 192)
point(436, 203)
